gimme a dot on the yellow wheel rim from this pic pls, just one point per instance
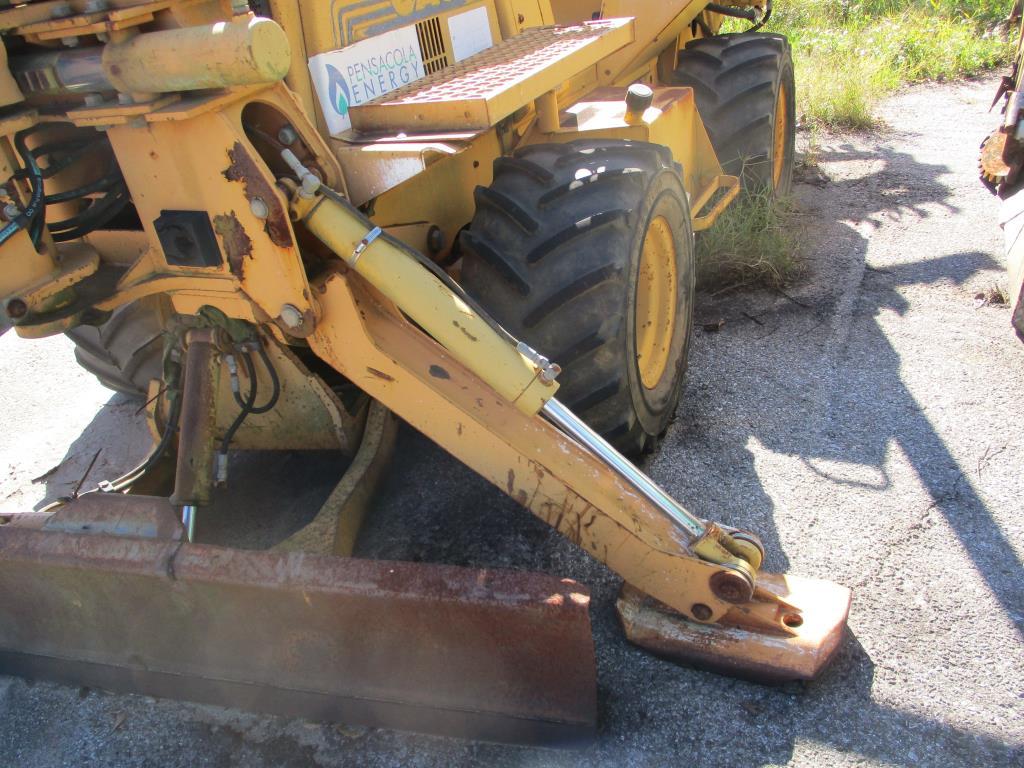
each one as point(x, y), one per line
point(655, 302)
point(779, 156)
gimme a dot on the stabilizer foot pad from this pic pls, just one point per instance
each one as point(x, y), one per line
point(811, 623)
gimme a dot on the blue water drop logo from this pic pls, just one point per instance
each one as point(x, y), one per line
point(338, 90)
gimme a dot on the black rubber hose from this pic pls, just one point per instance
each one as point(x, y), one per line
point(737, 13)
point(243, 414)
point(35, 202)
point(95, 216)
point(250, 370)
point(103, 183)
point(275, 381)
point(764, 19)
point(125, 480)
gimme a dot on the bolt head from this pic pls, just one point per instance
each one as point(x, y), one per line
point(259, 208)
point(731, 586)
point(291, 316)
point(16, 309)
point(287, 135)
point(11, 211)
point(700, 611)
point(435, 240)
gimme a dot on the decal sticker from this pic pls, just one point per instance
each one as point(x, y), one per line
point(470, 33)
point(361, 72)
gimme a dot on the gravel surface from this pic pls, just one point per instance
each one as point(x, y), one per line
point(867, 423)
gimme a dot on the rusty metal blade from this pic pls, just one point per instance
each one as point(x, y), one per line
point(493, 655)
point(791, 634)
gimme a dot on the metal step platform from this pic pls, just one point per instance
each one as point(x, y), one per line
point(489, 86)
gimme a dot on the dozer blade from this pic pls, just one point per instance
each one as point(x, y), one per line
point(790, 631)
point(492, 655)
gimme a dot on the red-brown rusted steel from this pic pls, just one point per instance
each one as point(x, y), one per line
point(791, 633)
point(193, 482)
point(115, 514)
point(492, 655)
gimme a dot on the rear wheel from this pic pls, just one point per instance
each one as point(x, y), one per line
point(744, 89)
point(125, 352)
point(585, 251)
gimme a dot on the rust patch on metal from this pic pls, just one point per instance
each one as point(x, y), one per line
point(285, 633)
point(438, 372)
point(237, 244)
point(380, 374)
point(244, 169)
point(767, 639)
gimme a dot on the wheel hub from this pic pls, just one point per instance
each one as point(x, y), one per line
point(655, 302)
point(779, 150)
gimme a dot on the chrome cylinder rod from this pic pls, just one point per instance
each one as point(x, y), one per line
point(573, 426)
point(188, 519)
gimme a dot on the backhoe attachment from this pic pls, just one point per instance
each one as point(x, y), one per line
point(694, 591)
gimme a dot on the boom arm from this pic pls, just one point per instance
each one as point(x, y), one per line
point(568, 476)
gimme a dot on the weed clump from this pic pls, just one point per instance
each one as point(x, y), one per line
point(753, 242)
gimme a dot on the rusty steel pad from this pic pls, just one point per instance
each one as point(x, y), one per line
point(811, 622)
point(482, 654)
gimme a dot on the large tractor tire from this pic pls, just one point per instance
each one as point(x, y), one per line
point(126, 352)
point(585, 252)
point(744, 90)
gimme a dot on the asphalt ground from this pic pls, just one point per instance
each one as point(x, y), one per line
point(867, 422)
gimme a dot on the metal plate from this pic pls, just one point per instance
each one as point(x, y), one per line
point(814, 612)
point(492, 655)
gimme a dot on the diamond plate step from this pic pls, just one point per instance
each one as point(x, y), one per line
point(479, 91)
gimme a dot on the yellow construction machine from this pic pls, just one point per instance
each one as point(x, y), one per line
point(286, 224)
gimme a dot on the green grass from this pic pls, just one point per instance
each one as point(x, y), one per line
point(848, 55)
point(753, 242)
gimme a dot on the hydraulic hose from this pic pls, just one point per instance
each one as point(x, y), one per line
point(248, 406)
point(35, 202)
point(250, 369)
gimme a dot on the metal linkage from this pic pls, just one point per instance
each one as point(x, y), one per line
point(573, 426)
